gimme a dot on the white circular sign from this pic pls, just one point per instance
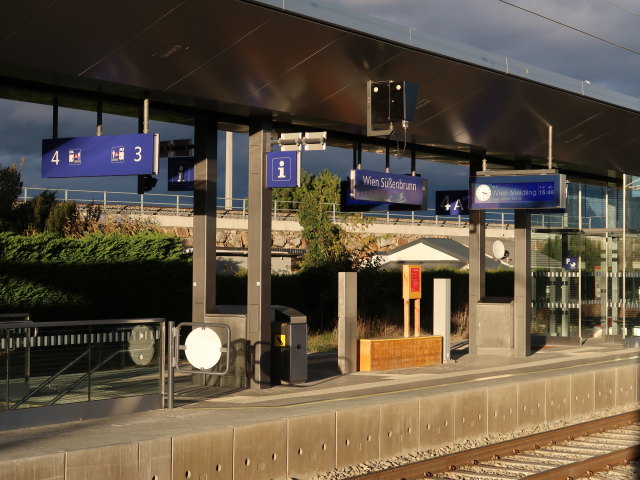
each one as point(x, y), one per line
point(203, 348)
point(483, 192)
point(498, 249)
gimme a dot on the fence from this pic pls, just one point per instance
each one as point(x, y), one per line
point(54, 364)
point(180, 204)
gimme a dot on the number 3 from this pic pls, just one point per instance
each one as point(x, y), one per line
point(138, 155)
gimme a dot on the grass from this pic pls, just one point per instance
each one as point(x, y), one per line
point(327, 341)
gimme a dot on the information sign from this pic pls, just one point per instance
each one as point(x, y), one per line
point(571, 264)
point(105, 155)
point(283, 169)
point(180, 175)
point(452, 202)
point(517, 191)
point(389, 188)
point(411, 282)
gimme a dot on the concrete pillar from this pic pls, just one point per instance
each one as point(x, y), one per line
point(522, 285)
point(442, 314)
point(476, 266)
point(347, 322)
point(259, 258)
point(204, 219)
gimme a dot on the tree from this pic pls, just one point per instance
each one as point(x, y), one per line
point(10, 188)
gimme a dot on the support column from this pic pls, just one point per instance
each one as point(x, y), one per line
point(476, 266)
point(259, 260)
point(204, 219)
point(347, 322)
point(522, 285)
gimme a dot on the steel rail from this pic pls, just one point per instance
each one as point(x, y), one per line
point(590, 465)
point(451, 462)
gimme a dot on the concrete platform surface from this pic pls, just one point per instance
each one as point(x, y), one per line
point(478, 395)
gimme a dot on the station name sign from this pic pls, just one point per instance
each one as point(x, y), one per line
point(389, 188)
point(99, 156)
point(518, 191)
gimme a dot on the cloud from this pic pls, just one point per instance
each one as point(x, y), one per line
point(497, 27)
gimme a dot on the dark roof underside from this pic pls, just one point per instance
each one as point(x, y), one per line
point(240, 58)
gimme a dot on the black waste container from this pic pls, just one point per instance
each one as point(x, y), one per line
point(289, 346)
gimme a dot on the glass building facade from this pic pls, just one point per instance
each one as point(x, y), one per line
point(586, 264)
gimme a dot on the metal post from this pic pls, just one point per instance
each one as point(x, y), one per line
point(104, 199)
point(99, 119)
point(26, 195)
point(54, 132)
point(334, 212)
point(142, 203)
point(259, 257)
point(170, 364)
point(228, 172)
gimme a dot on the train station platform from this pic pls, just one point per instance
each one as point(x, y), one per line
point(332, 421)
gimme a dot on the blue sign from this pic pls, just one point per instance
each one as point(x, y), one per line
point(283, 169)
point(517, 191)
point(389, 188)
point(100, 156)
point(452, 202)
point(180, 174)
point(571, 264)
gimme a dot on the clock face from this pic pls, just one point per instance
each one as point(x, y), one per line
point(483, 193)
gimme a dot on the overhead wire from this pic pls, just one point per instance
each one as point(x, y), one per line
point(597, 37)
point(637, 14)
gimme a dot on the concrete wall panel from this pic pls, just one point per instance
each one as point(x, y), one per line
point(111, 462)
point(357, 435)
point(437, 420)
point(502, 408)
point(154, 459)
point(311, 445)
point(50, 467)
point(260, 451)
point(203, 455)
point(531, 403)
point(558, 398)
point(399, 428)
point(582, 394)
point(626, 386)
point(604, 389)
point(471, 414)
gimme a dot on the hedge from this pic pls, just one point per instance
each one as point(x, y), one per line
point(146, 275)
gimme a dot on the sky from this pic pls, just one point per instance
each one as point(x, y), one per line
point(606, 55)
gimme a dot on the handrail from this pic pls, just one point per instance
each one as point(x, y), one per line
point(79, 380)
point(49, 380)
point(183, 205)
point(75, 323)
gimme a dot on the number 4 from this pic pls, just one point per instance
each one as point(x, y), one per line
point(55, 158)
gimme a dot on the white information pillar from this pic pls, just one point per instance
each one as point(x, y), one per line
point(442, 314)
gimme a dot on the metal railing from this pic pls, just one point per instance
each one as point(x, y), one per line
point(47, 363)
point(180, 204)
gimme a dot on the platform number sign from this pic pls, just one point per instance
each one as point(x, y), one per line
point(452, 202)
point(107, 155)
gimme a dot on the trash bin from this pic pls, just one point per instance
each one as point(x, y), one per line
point(289, 346)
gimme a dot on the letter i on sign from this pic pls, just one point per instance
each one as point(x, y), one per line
point(281, 169)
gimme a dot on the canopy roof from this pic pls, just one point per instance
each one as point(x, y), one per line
point(308, 65)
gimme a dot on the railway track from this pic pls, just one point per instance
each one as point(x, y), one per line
point(566, 453)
